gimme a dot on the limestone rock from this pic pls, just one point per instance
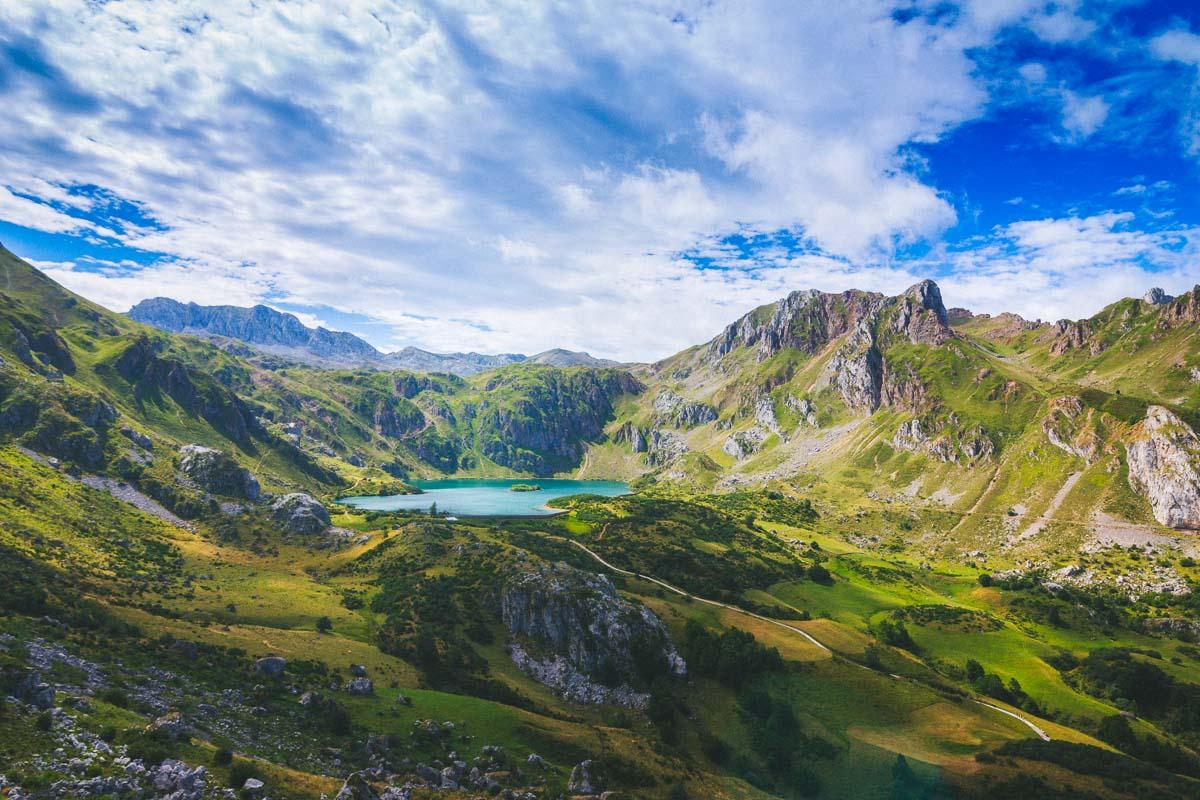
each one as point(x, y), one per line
point(362, 686)
point(579, 616)
point(356, 787)
point(1069, 427)
point(744, 444)
point(1156, 297)
point(300, 513)
point(272, 666)
point(1164, 465)
point(674, 411)
point(140, 439)
point(587, 777)
point(217, 472)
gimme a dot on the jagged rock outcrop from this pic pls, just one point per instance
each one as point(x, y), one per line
point(1067, 335)
point(217, 472)
point(943, 439)
point(1164, 465)
point(564, 613)
point(1068, 426)
point(808, 320)
point(140, 439)
point(764, 415)
point(674, 411)
point(662, 447)
point(1009, 326)
point(803, 408)
point(587, 777)
point(300, 513)
point(856, 371)
point(1157, 297)
point(744, 444)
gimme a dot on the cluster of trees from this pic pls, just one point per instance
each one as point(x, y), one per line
point(732, 656)
point(992, 685)
point(1136, 684)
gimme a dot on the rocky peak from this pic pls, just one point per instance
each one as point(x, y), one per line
point(1156, 297)
point(1164, 465)
point(921, 315)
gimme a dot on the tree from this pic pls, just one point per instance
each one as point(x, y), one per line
point(324, 625)
point(433, 512)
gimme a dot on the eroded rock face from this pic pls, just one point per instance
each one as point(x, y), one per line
point(673, 410)
point(1067, 427)
point(569, 614)
point(1157, 297)
point(300, 513)
point(217, 472)
point(1164, 465)
point(744, 444)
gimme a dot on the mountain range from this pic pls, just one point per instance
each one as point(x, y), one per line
point(282, 334)
point(874, 547)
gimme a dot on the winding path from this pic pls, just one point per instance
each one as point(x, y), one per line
point(1025, 721)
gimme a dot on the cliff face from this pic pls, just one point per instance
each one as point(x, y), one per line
point(1164, 465)
point(579, 628)
point(537, 420)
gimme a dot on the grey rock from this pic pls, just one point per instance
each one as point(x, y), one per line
point(270, 665)
point(254, 786)
point(358, 670)
point(587, 777)
point(672, 410)
point(1164, 465)
point(578, 617)
point(1157, 297)
point(140, 439)
point(33, 691)
point(170, 725)
point(300, 513)
point(360, 686)
point(356, 787)
point(217, 472)
point(744, 444)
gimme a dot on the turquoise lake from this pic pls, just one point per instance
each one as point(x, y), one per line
point(483, 497)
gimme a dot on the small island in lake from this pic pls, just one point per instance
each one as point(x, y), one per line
point(524, 487)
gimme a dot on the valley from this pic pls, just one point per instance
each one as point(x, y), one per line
point(854, 546)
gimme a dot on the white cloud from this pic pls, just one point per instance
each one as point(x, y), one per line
point(500, 176)
point(1083, 116)
point(1069, 267)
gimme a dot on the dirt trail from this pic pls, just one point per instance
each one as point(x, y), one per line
point(1032, 726)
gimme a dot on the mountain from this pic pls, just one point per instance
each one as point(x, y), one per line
point(269, 330)
point(874, 548)
point(282, 334)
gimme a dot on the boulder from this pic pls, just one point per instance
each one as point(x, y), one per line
point(360, 686)
point(176, 779)
point(1164, 465)
point(34, 692)
point(170, 725)
point(587, 777)
point(1156, 297)
point(217, 472)
point(272, 666)
point(356, 787)
point(300, 513)
point(140, 439)
point(577, 619)
point(254, 786)
point(358, 670)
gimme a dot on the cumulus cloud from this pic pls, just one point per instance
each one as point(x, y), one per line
point(502, 176)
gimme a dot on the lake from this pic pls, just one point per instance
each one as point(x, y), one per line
point(484, 497)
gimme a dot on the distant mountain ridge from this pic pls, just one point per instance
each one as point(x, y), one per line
point(282, 334)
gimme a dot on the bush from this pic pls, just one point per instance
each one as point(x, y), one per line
point(241, 771)
point(223, 757)
point(985, 579)
point(324, 625)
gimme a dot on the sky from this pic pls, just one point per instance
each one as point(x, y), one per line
point(624, 178)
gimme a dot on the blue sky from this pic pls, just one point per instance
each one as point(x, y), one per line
point(624, 178)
